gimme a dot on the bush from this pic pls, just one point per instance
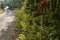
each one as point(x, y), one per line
point(32, 27)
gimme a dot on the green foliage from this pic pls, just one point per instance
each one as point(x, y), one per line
point(1, 11)
point(29, 26)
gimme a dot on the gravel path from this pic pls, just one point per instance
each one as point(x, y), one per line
point(6, 27)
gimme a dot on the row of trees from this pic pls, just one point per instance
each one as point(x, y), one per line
point(45, 25)
point(12, 3)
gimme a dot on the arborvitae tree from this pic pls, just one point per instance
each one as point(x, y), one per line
point(33, 26)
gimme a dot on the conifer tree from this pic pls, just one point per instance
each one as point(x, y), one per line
point(43, 26)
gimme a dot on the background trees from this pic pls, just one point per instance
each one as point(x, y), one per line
point(12, 3)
